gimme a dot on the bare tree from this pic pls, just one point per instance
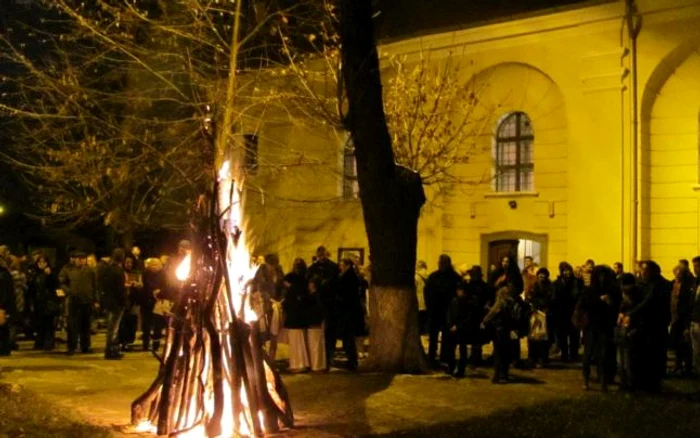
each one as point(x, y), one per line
point(107, 99)
point(432, 107)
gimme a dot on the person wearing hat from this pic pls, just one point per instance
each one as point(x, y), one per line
point(78, 283)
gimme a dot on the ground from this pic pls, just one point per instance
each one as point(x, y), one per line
point(97, 393)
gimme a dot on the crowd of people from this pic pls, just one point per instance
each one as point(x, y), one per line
point(122, 291)
point(627, 322)
point(315, 305)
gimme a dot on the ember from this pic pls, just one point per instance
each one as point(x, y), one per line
point(214, 380)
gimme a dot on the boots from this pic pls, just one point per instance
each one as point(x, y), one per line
point(112, 353)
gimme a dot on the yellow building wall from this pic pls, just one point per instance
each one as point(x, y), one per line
point(567, 72)
point(670, 141)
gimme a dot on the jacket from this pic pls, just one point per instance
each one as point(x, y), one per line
point(440, 289)
point(153, 281)
point(654, 311)
point(79, 283)
point(42, 289)
point(113, 288)
point(567, 293)
point(295, 301)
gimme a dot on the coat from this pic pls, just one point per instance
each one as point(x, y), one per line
point(79, 283)
point(598, 316)
point(42, 289)
point(540, 296)
point(294, 303)
point(113, 288)
point(440, 289)
point(348, 307)
point(567, 292)
point(654, 311)
point(313, 310)
point(153, 281)
point(465, 314)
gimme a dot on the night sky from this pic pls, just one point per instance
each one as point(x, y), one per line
point(409, 17)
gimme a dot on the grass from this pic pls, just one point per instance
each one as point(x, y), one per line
point(669, 415)
point(24, 415)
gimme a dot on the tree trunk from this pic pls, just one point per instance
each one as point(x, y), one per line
point(391, 197)
point(394, 323)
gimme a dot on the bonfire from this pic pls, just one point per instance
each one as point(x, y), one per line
point(214, 379)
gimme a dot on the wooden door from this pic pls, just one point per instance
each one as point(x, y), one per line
point(500, 249)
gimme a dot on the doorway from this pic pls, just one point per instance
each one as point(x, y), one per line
point(495, 246)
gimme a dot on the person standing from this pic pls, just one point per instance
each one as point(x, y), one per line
point(134, 288)
point(152, 324)
point(114, 300)
point(501, 317)
point(681, 295)
point(22, 321)
point(597, 311)
point(348, 310)
point(315, 341)
point(440, 289)
point(539, 298)
point(138, 260)
point(325, 273)
point(421, 279)
point(295, 320)
point(627, 336)
point(653, 316)
point(78, 281)
point(47, 306)
point(529, 274)
point(7, 307)
point(567, 291)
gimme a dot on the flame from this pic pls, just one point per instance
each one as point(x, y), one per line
point(183, 271)
point(240, 303)
point(146, 426)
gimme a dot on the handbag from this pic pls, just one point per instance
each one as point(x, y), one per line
point(538, 326)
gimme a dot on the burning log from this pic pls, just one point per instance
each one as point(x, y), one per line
point(214, 379)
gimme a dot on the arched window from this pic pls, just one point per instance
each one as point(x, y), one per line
point(514, 160)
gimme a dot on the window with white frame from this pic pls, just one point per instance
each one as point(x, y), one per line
point(351, 188)
point(514, 155)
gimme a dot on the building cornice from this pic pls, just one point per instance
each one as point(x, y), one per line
point(574, 20)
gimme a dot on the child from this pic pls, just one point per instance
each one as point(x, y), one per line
point(501, 317)
point(539, 298)
point(626, 334)
point(458, 316)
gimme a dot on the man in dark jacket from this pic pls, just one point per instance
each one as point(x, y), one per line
point(325, 273)
point(567, 290)
point(113, 287)
point(78, 281)
point(440, 289)
point(654, 315)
